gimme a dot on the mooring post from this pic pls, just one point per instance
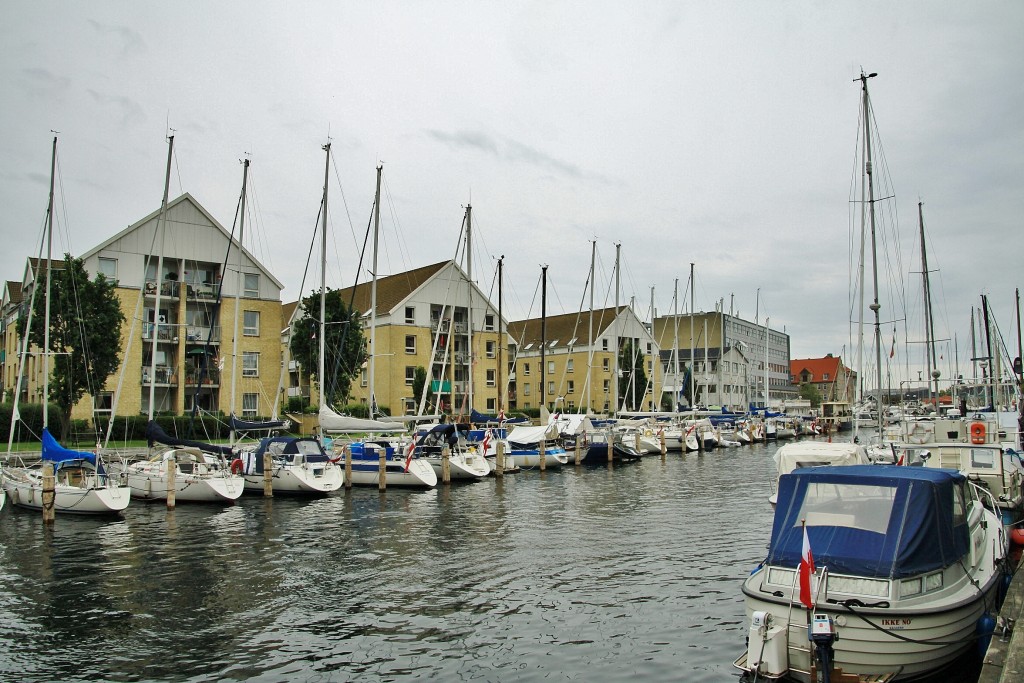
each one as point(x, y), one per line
point(346, 453)
point(172, 471)
point(543, 457)
point(268, 475)
point(446, 467)
point(499, 458)
point(49, 496)
point(382, 467)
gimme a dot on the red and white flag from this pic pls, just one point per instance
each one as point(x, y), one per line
point(408, 453)
point(487, 441)
point(501, 415)
point(806, 571)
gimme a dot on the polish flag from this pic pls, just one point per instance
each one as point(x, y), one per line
point(806, 570)
point(408, 455)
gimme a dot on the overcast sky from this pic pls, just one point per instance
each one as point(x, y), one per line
point(718, 133)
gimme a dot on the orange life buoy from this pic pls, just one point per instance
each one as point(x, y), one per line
point(977, 432)
point(236, 466)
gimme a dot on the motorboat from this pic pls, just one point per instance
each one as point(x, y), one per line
point(299, 466)
point(81, 482)
point(525, 444)
point(909, 566)
point(598, 447)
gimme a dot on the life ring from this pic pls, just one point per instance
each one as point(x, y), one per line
point(236, 466)
point(977, 432)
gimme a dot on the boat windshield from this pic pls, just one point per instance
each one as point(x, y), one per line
point(854, 506)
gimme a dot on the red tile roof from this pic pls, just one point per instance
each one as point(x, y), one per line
point(816, 368)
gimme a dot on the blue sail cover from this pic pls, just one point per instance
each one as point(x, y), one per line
point(288, 445)
point(880, 521)
point(156, 434)
point(54, 452)
point(483, 418)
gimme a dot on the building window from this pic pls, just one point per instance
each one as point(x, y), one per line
point(570, 387)
point(491, 403)
point(250, 364)
point(551, 388)
point(604, 344)
point(251, 286)
point(825, 377)
point(108, 268)
point(491, 381)
point(569, 365)
point(410, 375)
point(489, 322)
point(363, 377)
point(410, 343)
point(251, 323)
point(249, 404)
point(605, 364)
point(526, 368)
point(410, 315)
point(526, 389)
point(103, 402)
point(648, 348)
point(607, 385)
point(551, 367)
point(490, 349)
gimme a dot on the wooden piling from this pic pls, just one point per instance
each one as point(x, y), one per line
point(611, 447)
point(579, 449)
point(661, 439)
point(382, 467)
point(636, 441)
point(346, 453)
point(446, 466)
point(268, 475)
point(49, 496)
point(499, 458)
point(172, 471)
point(542, 456)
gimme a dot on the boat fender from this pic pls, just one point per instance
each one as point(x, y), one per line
point(986, 625)
point(236, 466)
point(1017, 535)
point(977, 432)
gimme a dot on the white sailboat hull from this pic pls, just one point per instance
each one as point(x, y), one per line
point(25, 489)
point(300, 479)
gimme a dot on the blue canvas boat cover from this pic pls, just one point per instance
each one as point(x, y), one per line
point(483, 418)
point(54, 452)
point(880, 521)
point(287, 445)
point(240, 425)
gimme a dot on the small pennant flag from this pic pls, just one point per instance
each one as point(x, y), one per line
point(806, 571)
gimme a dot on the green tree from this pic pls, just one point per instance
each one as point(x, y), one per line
point(419, 381)
point(810, 392)
point(344, 344)
point(85, 329)
point(633, 376)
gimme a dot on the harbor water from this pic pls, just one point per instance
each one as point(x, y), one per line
point(578, 574)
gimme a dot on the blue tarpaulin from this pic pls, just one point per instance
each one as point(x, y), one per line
point(54, 452)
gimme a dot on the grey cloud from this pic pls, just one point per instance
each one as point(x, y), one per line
point(131, 112)
point(131, 40)
point(466, 139)
point(42, 82)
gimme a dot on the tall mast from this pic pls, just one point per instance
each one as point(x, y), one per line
point(590, 332)
point(615, 343)
point(238, 293)
point(543, 334)
point(161, 227)
point(373, 298)
point(993, 376)
point(875, 306)
point(49, 268)
point(653, 405)
point(767, 332)
point(693, 375)
point(321, 338)
point(675, 347)
point(501, 339)
point(469, 310)
point(929, 321)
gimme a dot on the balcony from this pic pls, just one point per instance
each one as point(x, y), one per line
point(202, 291)
point(168, 288)
point(167, 332)
point(165, 375)
point(200, 333)
point(209, 377)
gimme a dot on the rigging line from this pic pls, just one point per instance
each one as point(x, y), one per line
point(403, 246)
point(344, 201)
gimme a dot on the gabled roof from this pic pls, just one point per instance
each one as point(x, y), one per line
point(816, 368)
point(199, 207)
point(12, 294)
point(559, 330)
point(392, 290)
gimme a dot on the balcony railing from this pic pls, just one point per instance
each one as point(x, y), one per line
point(202, 290)
point(168, 332)
point(165, 374)
point(168, 288)
point(209, 377)
point(200, 333)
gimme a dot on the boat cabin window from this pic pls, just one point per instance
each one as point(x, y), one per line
point(959, 507)
point(856, 506)
point(983, 458)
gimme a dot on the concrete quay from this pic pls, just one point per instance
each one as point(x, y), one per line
point(1004, 659)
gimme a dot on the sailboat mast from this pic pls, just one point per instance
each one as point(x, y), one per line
point(373, 297)
point(469, 310)
point(501, 339)
point(239, 281)
point(543, 334)
point(161, 227)
point(590, 331)
point(615, 345)
point(322, 336)
point(767, 331)
point(49, 269)
point(692, 364)
point(929, 321)
point(675, 347)
point(875, 306)
point(993, 377)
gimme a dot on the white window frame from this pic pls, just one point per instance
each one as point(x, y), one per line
point(106, 260)
point(410, 377)
point(247, 329)
point(250, 363)
point(250, 404)
point(491, 345)
point(251, 287)
point(410, 315)
point(410, 348)
point(489, 322)
point(491, 377)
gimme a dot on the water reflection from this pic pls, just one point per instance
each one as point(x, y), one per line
point(570, 574)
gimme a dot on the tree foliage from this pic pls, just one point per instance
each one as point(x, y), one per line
point(85, 330)
point(810, 392)
point(345, 348)
point(633, 376)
